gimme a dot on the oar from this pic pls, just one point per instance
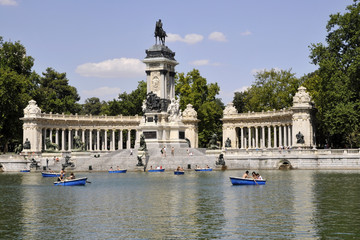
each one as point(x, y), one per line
point(88, 182)
point(255, 181)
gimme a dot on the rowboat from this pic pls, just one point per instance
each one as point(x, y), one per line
point(246, 181)
point(25, 170)
point(118, 171)
point(72, 182)
point(203, 169)
point(49, 174)
point(179, 172)
point(156, 170)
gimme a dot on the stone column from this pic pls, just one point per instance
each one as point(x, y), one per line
point(280, 136)
point(57, 137)
point(44, 138)
point(113, 140)
point(90, 139)
point(242, 137)
point(69, 139)
point(249, 141)
point(128, 143)
point(120, 143)
point(83, 131)
point(256, 136)
point(269, 137)
point(263, 137)
point(289, 135)
point(98, 139)
point(105, 140)
point(62, 139)
point(50, 135)
point(285, 135)
point(275, 137)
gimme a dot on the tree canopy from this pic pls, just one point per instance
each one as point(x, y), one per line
point(193, 89)
point(335, 85)
point(127, 104)
point(15, 86)
point(272, 89)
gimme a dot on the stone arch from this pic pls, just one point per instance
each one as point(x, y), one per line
point(284, 165)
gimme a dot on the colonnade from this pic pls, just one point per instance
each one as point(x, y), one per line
point(94, 139)
point(264, 136)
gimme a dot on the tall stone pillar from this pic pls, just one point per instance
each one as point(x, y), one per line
point(280, 136)
point(302, 120)
point(98, 139)
point(105, 140)
point(269, 136)
point(90, 139)
point(63, 139)
point(242, 137)
point(128, 142)
point(120, 144)
point(275, 137)
point(250, 141)
point(69, 139)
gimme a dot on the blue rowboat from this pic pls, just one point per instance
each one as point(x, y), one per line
point(72, 182)
point(179, 172)
point(25, 170)
point(203, 169)
point(246, 181)
point(48, 174)
point(118, 171)
point(156, 170)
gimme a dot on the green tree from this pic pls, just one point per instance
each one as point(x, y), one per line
point(127, 104)
point(92, 106)
point(15, 87)
point(54, 94)
point(272, 89)
point(193, 89)
point(13, 98)
point(335, 86)
point(239, 101)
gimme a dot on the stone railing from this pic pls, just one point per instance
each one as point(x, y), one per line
point(89, 117)
point(270, 152)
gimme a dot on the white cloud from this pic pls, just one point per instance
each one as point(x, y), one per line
point(242, 89)
point(189, 38)
point(204, 62)
point(259, 70)
point(246, 33)
point(8, 2)
point(217, 36)
point(113, 68)
point(103, 93)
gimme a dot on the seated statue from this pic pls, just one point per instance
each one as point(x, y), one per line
point(78, 144)
point(300, 138)
point(50, 146)
point(27, 144)
point(213, 142)
point(228, 143)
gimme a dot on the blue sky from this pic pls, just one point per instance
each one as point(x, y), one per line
point(100, 44)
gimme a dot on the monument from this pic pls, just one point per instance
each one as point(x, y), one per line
point(162, 122)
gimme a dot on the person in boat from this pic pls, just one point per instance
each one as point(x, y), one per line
point(117, 168)
point(246, 175)
point(254, 176)
point(151, 168)
point(111, 169)
point(259, 176)
point(62, 176)
point(207, 166)
point(72, 176)
point(181, 169)
point(178, 168)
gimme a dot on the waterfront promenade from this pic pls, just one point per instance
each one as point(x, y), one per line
point(234, 159)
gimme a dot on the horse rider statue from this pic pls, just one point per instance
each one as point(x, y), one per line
point(160, 33)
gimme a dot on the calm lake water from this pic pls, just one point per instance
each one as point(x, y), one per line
point(198, 205)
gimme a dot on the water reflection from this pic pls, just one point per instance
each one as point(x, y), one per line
point(337, 201)
point(293, 204)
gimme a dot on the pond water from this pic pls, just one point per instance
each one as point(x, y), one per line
point(204, 205)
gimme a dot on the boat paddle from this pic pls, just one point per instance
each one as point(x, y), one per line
point(255, 181)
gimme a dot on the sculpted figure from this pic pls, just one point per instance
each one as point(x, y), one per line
point(159, 32)
point(300, 138)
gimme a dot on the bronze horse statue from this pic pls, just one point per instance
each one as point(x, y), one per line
point(160, 33)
